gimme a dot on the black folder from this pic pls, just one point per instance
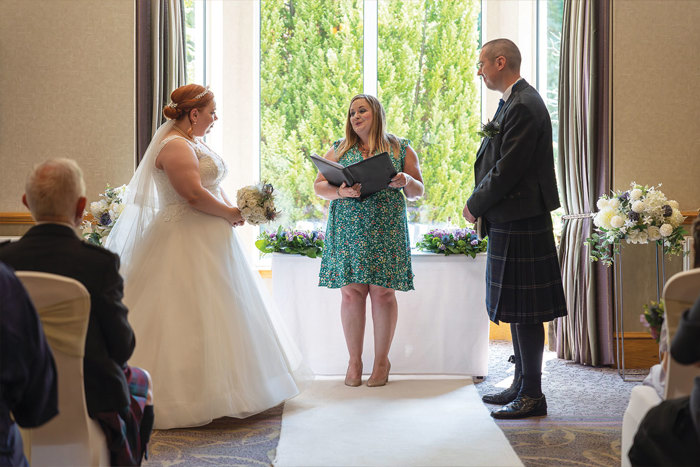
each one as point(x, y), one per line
point(374, 173)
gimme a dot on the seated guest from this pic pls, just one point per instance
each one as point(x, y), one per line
point(657, 373)
point(669, 434)
point(27, 370)
point(117, 396)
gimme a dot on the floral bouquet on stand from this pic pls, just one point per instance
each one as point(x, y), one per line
point(653, 318)
point(641, 215)
point(457, 241)
point(98, 222)
point(295, 242)
point(257, 203)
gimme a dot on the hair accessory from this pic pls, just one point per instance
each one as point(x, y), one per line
point(173, 105)
point(206, 90)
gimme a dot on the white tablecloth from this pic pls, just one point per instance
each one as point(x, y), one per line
point(443, 327)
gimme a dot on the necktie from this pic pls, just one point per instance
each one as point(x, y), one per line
point(500, 106)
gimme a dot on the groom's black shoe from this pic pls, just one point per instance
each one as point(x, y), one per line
point(504, 397)
point(522, 407)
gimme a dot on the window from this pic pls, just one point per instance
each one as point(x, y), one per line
point(307, 58)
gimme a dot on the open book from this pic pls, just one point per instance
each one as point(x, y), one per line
point(374, 173)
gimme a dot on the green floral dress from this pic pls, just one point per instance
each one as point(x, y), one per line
point(367, 241)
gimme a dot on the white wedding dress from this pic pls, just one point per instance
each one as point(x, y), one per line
point(205, 328)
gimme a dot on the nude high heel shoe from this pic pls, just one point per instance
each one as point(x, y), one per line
point(375, 382)
point(353, 382)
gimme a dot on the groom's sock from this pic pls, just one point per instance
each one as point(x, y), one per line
point(531, 345)
point(516, 353)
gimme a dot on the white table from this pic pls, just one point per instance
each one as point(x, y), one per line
point(443, 327)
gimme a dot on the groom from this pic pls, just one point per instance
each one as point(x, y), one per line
point(515, 190)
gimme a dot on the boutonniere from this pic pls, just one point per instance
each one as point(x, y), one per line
point(490, 129)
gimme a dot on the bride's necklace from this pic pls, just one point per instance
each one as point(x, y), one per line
point(177, 128)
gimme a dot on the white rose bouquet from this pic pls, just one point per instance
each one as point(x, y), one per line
point(98, 222)
point(257, 203)
point(641, 214)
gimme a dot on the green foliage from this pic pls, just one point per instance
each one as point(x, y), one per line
point(311, 66)
point(447, 242)
point(294, 242)
point(428, 86)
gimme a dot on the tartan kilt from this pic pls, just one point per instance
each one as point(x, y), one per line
point(523, 277)
point(123, 428)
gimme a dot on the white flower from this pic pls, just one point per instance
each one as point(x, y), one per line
point(677, 218)
point(638, 206)
point(654, 233)
point(614, 203)
point(602, 203)
point(617, 221)
point(635, 194)
point(666, 230)
point(674, 204)
point(602, 219)
point(637, 236)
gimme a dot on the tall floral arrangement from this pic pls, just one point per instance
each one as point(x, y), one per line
point(98, 222)
point(639, 215)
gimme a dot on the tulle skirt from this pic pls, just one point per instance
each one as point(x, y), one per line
point(206, 328)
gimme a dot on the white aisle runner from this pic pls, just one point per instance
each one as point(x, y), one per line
point(418, 421)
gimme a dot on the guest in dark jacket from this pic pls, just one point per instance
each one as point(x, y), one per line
point(116, 394)
point(670, 432)
point(27, 370)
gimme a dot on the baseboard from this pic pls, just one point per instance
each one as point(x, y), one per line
point(641, 350)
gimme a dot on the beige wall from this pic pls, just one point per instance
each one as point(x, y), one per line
point(66, 90)
point(655, 70)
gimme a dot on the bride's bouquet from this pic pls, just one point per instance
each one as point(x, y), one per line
point(257, 203)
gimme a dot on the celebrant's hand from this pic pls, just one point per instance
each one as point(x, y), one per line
point(400, 180)
point(234, 218)
point(345, 191)
point(467, 214)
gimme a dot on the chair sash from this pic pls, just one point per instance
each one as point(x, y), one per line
point(61, 324)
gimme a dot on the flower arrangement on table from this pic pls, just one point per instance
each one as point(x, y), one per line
point(640, 215)
point(455, 241)
point(295, 242)
point(98, 222)
point(257, 203)
point(653, 318)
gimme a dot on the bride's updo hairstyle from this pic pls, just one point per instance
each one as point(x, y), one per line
point(186, 98)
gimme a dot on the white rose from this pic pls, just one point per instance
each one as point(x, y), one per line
point(638, 206)
point(635, 194)
point(617, 221)
point(666, 230)
point(654, 233)
point(602, 219)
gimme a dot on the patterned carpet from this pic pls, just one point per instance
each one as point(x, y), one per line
point(583, 426)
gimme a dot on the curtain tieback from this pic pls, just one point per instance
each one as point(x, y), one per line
point(583, 215)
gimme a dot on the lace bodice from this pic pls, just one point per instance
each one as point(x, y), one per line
point(212, 170)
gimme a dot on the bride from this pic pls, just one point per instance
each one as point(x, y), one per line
point(204, 327)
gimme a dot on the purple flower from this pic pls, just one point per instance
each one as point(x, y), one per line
point(290, 236)
point(624, 196)
point(105, 219)
point(475, 242)
point(321, 236)
point(634, 216)
point(442, 247)
point(668, 210)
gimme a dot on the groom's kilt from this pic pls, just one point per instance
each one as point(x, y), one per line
point(523, 278)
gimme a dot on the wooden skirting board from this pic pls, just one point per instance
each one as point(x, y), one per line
point(641, 350)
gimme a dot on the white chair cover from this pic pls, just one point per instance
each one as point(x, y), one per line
point(72, 437)
point(680, 293)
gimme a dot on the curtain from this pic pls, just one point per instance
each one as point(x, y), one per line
point(585, 335)
point(160, 63)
